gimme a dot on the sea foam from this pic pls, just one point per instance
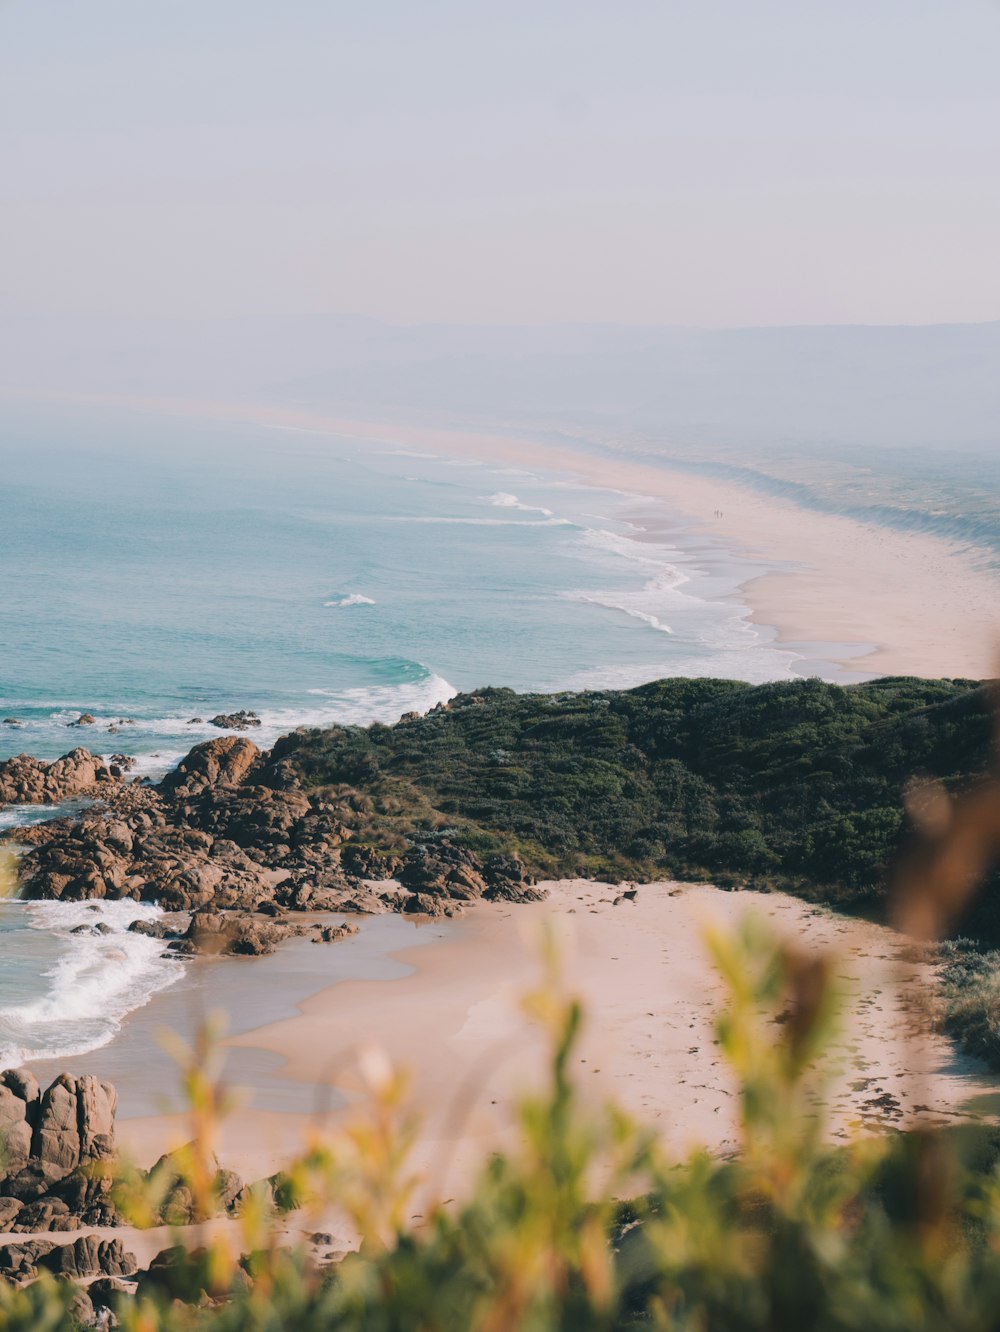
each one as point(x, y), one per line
point(504, 500)
point(351, 599)
point(67, 993)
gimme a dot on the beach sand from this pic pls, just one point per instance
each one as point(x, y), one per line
point(456, 1023)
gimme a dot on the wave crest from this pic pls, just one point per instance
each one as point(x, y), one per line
point(93, 979)
point(351, 599)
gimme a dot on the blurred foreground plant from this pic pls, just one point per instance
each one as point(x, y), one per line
point(583, 1225)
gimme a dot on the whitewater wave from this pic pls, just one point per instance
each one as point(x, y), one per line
point(352, 599)
point(609, 602)
point(474, 522)
point(660, 559)
point(158, 744)
point(356, 706)
point(22, 816)
point(385, 703)
point(504, 500)
point(659, 592)
point(711, 635)
point(89, 982)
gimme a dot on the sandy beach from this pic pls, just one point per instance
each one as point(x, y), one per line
point(455, 1022)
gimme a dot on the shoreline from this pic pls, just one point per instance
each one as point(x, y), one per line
point(869, 599)
point(454, 1021)
point(242, 994)
point(901, 603)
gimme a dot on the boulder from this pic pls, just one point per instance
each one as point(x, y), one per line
point(97, 1105)
point(40, 1215)
point(222, 762)
point(15, 1130)
point(235, 721)
point(333, 933)
point(76, 1123)
point(23, 1083)
point(106, 1291)
point(52, 1143)
point(367, 863)
point(33, 1181)
point(30, 781)
point(443, 870)
point(88, 1256)
point(19, 1262)
point(234, 934)
point(178, 1206)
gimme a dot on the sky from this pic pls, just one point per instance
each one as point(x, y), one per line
point(681, 162)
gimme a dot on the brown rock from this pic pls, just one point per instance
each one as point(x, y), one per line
point(105, 1291)
point(235, 721)
point(20, 1261)
point(40, 1215)
point(87, 1256)
point(30, 781)
point(222, 762)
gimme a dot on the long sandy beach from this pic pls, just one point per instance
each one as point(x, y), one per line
point(870, 599)
point(901, 603)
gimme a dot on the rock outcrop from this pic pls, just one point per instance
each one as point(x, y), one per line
point(53, 1143)
point(235, 721)
point(217, 763)
point(58, 1151)
point(30, 781)
point(87, 1256)
point(234, 830)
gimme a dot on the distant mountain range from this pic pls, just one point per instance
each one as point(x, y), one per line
point(856, 385)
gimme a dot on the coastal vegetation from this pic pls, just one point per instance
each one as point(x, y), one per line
point(797, 784)
point(969, 997)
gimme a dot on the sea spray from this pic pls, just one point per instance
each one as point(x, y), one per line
point(72, 972)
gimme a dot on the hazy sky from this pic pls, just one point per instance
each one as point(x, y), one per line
point(668, 161)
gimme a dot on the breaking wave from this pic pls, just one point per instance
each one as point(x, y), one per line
point(93, 971)
point(352, 599)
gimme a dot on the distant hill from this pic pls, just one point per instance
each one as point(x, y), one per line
point(813, 386)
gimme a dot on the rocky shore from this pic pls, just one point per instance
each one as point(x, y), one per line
point(61, 1177)
point(233, 839)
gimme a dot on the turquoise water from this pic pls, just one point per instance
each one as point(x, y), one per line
point(154, 570)
point(163, 569)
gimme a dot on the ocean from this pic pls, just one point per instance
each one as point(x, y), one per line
point(155, 570)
